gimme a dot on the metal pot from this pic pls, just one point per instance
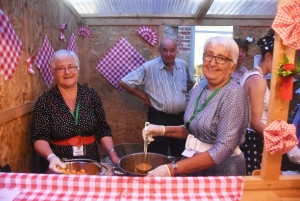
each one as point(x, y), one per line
point(127, 164)
point(91, 167)
point(128, 148)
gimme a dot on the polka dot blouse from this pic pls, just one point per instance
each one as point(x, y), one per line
point(52, 120)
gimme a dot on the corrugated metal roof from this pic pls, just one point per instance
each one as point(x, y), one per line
point(243, 7)
point(167, 8)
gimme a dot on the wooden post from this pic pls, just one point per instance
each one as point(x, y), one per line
point(278, 109)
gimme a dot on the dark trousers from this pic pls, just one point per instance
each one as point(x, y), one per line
point(161, 144)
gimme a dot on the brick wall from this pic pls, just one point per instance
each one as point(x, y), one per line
point(184, 38)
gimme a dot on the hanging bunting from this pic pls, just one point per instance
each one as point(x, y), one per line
point(10, 48)
point(84, 31)
point(42, 61)
point(29, 63)
point(62, 28)
point(72, 44)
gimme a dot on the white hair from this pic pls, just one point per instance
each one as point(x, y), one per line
point(62, 54)
point(227, 42)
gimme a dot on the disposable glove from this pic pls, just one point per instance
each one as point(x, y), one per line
point(294, 155)
point(153, 130)
point(160, 171)
point(55, 161)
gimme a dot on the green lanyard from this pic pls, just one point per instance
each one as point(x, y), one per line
point(76, 114)
point(196, 111)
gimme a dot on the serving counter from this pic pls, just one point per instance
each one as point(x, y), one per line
point(86, 187)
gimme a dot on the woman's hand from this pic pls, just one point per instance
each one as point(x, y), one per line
point(114, 157)
point(54, 161)
point(153, 130)
point(160, 171)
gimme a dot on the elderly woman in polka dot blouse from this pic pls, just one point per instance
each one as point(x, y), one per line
point(69, 119)
point(216, 119)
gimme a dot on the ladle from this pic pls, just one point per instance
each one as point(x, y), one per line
point(145, 166)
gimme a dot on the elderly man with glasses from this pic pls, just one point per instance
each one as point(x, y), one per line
point(215, 120)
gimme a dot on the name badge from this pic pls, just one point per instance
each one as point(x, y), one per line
point(78, 151)
point(188, 153)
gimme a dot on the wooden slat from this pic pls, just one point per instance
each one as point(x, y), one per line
point(278, 109)
point(241, 17)
point(260, 195)
point(161, 32)
point(175, 22)
point(12, 113)
point(284, 182)
point(203, 8)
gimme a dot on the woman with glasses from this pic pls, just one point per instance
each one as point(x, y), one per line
point(69, 119)
point(216, 119)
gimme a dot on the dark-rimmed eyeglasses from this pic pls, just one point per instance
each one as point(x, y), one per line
point(219, 59)
point(62, 70)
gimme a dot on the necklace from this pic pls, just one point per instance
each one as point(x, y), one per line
point(258, 68)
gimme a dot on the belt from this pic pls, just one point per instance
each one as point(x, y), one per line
point(160, 112)
point(193, 144)
point(75, 141)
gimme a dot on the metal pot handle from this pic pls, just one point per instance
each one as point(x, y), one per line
point(103, 172)
point(172, 158)
point(87, 160)
point(117, 171)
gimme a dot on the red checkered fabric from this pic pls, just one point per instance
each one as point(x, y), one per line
point(120, 60)
point(111, 188)
point(61, 29)
point(72, 44)
point(287, 23)
point(84, 31)
point(42, 61)
point(148, 34)
point(280, 136)
point(29, 63)
point(10, 48)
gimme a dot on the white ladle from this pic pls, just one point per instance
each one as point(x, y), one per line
point(145, 166)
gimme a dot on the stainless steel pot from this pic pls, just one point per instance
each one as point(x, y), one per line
point(127, 164)
point(128, 148)
point(91, 167)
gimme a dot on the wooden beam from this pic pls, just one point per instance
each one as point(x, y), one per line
point(278, 109)
point(174, 22)
point(240, 17)
point(136, 16)
point(203, 8)
point(12, 113)
point(73, 10)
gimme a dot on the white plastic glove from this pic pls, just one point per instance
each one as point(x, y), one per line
point(55, 161)
point(160, 171)
point(153, 130)
point(294, 155)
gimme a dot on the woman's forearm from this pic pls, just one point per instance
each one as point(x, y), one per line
point(42, 147)
point(175, 132)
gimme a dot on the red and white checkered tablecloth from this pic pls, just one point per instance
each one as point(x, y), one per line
point(72, 44)
point(120, 60)
point(111, 188)
point(42, 61)
point(10, 48)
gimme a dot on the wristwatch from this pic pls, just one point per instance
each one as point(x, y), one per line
point(175, 168)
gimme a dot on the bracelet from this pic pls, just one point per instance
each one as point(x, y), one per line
point(175, 168)
point(111, 150)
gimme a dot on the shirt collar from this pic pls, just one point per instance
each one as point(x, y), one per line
point(162, 65)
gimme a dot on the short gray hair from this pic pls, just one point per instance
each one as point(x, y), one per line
point(62, 54)
point(227, 42)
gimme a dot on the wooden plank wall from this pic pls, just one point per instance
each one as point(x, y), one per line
point(32, 20)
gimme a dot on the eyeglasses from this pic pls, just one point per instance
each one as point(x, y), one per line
point(219, 59)
point(62, 70)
